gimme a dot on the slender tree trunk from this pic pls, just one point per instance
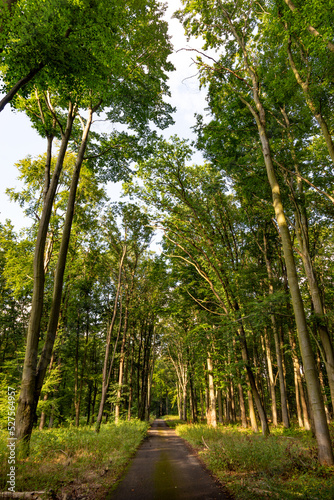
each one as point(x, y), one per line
point(321, 378)
point(45, 398)
point(19, 85)
point(281, 378)
point(76, 376)
point(107, 371)
point(240, 389)
point(192, 396)
point(43, 414)
point(60, 269)
point(242, 406)
point(297, 370)
point(303, 241)
point(150, 379)
point(93, 403)
point(321, 324)
point(120, 378)
point(252, 384)
point(201, 401)
point(252, 415)
point(179, 406)
point(89, 400)
point(122, 353)
point(220, 406)
point(130, 384)
point(271, 378)
point(29, 394)
point(211, 413)
point(79, 383)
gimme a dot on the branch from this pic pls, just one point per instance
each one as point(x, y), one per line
point(305, 180)
point(21, 83)
point(218, 64)
point(199, 303)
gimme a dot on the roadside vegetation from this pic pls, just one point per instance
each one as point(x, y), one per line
point(75, 461)
point(283, 465)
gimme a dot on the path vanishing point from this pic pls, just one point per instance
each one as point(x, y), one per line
point(164, 469)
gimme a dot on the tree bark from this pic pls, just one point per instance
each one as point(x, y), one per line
point(271, 378)
point(29, 396)
point(211, 416)
point(252, 384)
point(60, 269)
point(251, 409)
point(106, 372)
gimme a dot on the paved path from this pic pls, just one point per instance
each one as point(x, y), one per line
point(164, 469)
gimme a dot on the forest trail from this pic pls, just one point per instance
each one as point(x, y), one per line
point(164, 469)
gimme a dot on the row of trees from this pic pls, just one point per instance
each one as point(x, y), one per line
point(269, 143)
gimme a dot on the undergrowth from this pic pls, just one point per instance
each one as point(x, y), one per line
point(283, 465)
point(74, 459)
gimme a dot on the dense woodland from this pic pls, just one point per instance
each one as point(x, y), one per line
point(233, 320)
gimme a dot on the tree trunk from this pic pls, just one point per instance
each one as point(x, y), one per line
point(43, 414)
point(211, 413)
point(252, 415)
point(312, 379)
point(302, 233)
point(242, 406)
point(252, 384)
point(321, 378)
point(120, 372)
point(29, 394)
point(106, 372)
point(271, 378)
point(220, 406)
point(130, 383)
point(281, 378)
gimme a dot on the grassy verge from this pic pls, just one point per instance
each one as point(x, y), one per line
point(73, 460)
point(283, 465)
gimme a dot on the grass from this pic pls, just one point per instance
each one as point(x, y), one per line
point(172, 420)
point(282, 466)
point(75, 460)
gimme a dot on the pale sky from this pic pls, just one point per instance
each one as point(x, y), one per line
point(18, 139)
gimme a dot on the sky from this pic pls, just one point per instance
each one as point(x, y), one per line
point(18, 139)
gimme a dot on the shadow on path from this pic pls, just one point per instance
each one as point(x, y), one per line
point(164, 469)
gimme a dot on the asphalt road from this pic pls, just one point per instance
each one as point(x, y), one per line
point(164, 469)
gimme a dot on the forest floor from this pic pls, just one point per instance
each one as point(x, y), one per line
point(165, 468)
